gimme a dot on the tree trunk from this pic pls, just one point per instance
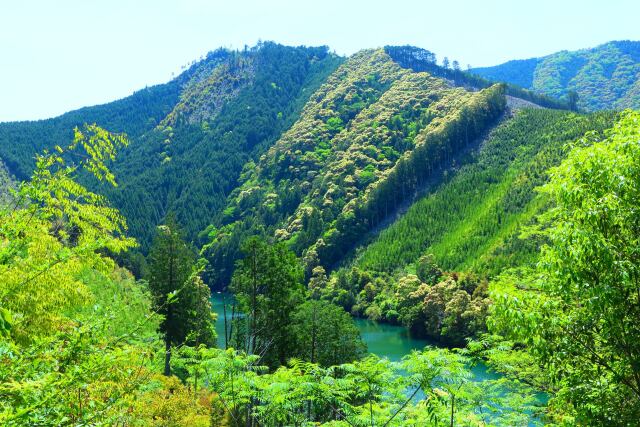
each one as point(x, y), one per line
point(167, 358)
point(453, 402)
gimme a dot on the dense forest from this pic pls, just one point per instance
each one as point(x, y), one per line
point(307, 192)
point(604, 77)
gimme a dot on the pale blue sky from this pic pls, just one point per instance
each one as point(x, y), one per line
point(59, 55)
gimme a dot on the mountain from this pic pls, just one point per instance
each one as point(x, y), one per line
point(293, 143)
point(191, 137)
point(472, 220)
point(476, 214)
point(365, 141)
point(604, 77)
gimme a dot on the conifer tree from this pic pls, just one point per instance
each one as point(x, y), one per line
point(179, 294)
point(268, 287)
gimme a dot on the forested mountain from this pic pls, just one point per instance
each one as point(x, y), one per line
point(471, 221)
point(316, 188)
point(225, 117)
point(191, 137)
point(366, 140)
point(604, 77)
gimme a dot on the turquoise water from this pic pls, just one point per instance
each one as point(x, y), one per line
point(383, 340)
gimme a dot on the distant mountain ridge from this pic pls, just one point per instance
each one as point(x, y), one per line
point(604, 77)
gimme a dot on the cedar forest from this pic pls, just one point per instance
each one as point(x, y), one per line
point(492, 212)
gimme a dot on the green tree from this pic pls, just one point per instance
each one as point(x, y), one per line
point(268, 286)
point(580, 319)
point(178, 293)
point(54, 229)
point(427, 270)
point(325, 334)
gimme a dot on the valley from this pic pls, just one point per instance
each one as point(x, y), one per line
point(282, 235)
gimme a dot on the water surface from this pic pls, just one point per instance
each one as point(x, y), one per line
point(382, 339)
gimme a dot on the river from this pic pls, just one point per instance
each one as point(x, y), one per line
point(382, 339)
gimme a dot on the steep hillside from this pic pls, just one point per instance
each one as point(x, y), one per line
point(193, 159)
point(470, 222)
point(134, 115)
point(364, 141)
point(604, 77)
point(190, 137)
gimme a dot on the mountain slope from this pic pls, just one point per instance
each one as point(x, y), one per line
point(604, 77)
point(190, 137)
point(190, 162)
point(363, 142)
point(134, 115)
point(472, 220)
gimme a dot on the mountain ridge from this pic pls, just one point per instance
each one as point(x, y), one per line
point(604, 77)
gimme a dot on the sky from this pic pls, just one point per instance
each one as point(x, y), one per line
point(56, 56)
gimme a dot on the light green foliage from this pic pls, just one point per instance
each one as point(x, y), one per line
point(427, 388)
point(363, 142)
point(52, 232)
point(73, 353)
point(467, 222)
point(117, 300)
point(74, 377)
point(579, 314)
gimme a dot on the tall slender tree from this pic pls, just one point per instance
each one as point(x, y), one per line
point(268, 286)
point(178, 292)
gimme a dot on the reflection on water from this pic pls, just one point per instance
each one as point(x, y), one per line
point(382, 339)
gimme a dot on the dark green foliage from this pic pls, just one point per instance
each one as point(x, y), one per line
point(178, 293)
point(134, 115)
point(427, 270)
point(190, 137)
point(325, 334)
point(605, 77)
point(191, 162)
point(419, 59)
point(267, 285)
